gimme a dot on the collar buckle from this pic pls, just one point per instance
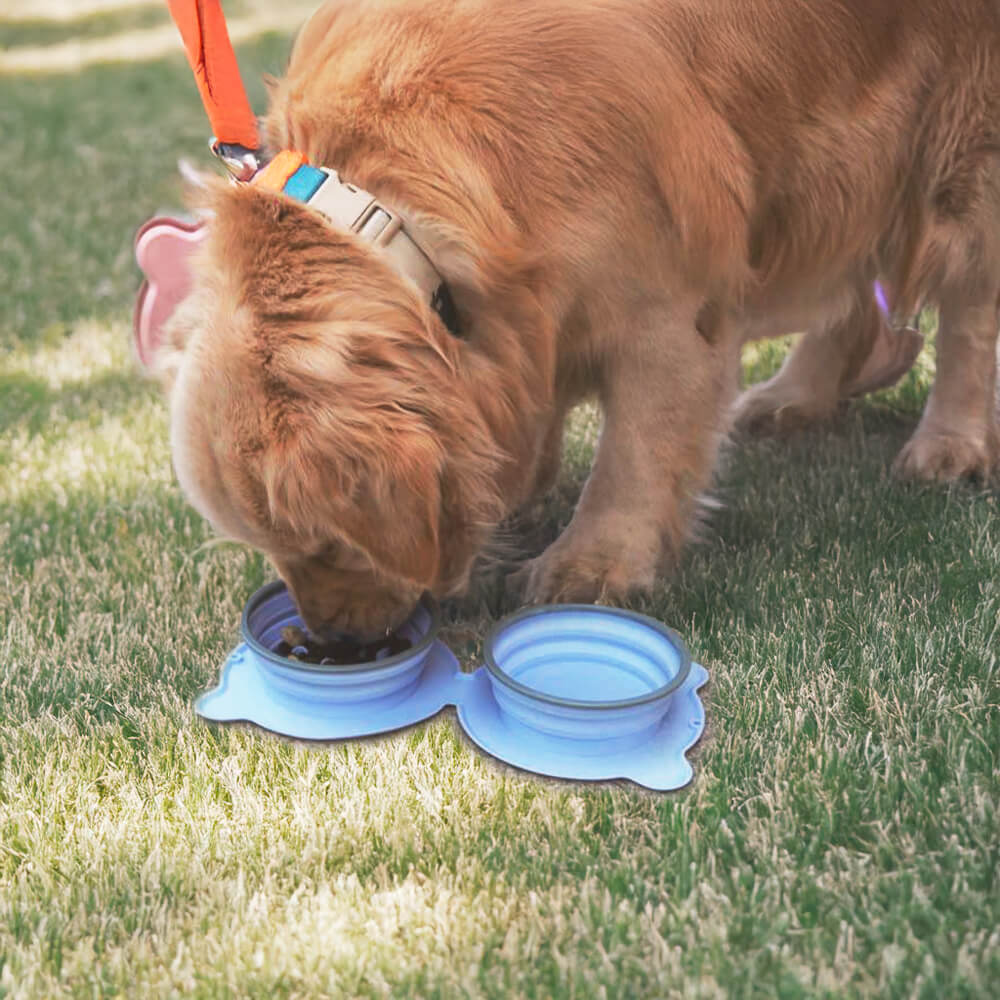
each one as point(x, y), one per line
point(378, 225)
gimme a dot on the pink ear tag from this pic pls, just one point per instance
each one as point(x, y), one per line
point(163, 247)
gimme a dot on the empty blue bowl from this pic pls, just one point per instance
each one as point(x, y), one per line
point(298, 684)
point(595, 675)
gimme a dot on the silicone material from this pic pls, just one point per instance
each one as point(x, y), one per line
point(585, 672)
point(658, 761)
point(163, 247)
point(575, 691)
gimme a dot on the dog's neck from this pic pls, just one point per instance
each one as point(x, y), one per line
point(506, 375)
point(350, 207)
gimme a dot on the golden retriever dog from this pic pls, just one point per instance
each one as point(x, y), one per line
point(619, 194)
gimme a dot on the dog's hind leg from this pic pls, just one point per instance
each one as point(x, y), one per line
point(958, 435)
point(854, 354)
point(954, 253)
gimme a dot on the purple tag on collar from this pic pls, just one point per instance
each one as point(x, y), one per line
point(882, 299)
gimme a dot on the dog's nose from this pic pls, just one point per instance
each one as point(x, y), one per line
point(368, 623)
point(330, 633)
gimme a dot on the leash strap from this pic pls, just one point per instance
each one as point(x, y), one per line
point(210, 53)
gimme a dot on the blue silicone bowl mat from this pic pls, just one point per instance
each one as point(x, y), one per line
point(248, 690)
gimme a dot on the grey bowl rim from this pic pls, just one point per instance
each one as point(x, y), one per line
point(657, 626)
point(275, 586)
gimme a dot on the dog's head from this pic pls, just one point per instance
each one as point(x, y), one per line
point(317, 413)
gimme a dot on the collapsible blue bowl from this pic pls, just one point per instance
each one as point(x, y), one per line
point(599, 676)
point(385, 682)
point(572, 691)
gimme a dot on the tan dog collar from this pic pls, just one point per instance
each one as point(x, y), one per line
point(359, 211)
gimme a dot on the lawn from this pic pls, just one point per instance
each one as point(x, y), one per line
point(841, 834)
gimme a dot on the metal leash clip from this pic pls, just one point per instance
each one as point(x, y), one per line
point(241, 162)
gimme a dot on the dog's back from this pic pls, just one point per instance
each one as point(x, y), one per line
point(789, 139)
point(872, 128)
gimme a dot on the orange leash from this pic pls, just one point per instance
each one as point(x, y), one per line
point(210, 53)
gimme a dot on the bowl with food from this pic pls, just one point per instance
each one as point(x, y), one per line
point(302, 668)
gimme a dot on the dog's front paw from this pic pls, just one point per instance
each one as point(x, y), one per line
point(942, 457)
point(567, 574)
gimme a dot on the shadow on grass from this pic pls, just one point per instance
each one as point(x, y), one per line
point(807, 516)
point(812, 528)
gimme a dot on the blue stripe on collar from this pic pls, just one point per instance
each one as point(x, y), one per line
point(304, 183)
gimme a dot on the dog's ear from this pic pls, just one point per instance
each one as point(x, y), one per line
point(375, 485)
point(164, 248)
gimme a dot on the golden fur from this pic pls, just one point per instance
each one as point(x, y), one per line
point(620, 193)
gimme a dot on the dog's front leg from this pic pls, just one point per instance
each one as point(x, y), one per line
point(550, 458)
point(665, 389)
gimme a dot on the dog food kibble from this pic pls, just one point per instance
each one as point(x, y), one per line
point(297, 644)
point(294, 636)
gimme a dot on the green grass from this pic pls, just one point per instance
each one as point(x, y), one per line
point(840, 837)
point(42, 31)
